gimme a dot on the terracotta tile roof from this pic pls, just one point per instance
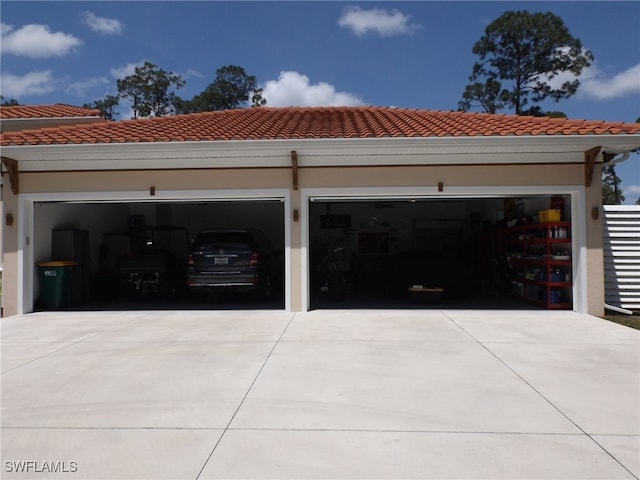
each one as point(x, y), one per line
point(57, 110)
point(265, 123)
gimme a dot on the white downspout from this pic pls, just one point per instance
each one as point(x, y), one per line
point(625, 155)
point(618, 309)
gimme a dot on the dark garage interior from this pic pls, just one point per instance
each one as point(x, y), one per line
point(419, 252)
point(134, 255)
point(363, 253)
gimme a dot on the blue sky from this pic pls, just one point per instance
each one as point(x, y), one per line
point(405, 54)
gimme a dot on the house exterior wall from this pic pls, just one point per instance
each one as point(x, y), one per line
point(456, 175)
point(10, 257)
point(595, 257)
point(297, 257)
point(141, 180)
point(453, 177)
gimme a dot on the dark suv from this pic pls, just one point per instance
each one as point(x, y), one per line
point(233, 260)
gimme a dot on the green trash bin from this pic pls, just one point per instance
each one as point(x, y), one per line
point(56, 284)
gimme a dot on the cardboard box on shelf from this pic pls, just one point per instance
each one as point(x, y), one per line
point(550, 215)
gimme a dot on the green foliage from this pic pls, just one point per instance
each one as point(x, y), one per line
point(151, 92)
point(611, 192)
point(486, 95)
point(536, 111)
point(555, 114)
point(8, 103)
point(230, 89)
point(148, 89)
point(106, 105)
point(519, 53)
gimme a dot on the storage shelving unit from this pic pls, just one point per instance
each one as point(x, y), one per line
point(538, 265)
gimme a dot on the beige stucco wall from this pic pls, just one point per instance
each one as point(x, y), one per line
point(142, 180)
point(202, 179)
point(315, 177)
point(595, 258)
point(9, 254)
point(460, 175)
point(296, 251)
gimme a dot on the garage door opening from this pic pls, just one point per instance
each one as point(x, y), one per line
point(136, 255)
point(447, 253)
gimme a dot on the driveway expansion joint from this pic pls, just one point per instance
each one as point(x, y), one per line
point(264, 363)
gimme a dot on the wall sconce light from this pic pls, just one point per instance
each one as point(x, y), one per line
point(440, 186)
point(8, 220)
point(595, 213)
point(296, 215)
point(152, 191)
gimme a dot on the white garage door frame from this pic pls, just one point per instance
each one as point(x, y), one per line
point(455, 192)
point(26, 227)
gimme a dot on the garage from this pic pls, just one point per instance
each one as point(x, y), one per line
point(446, 252)
point(399, 208)
point(134, 254)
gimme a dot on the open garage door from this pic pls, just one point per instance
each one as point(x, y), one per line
point(137, 255)
point(450, 252)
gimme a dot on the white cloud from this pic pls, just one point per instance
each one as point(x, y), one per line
point(631, 194)
point(632, 190)
point(82, 88)
point(126, 70)
point(37, 41)
point(597, 85)
point(191, 73)
point(383, 22)
point(294, 89)
point(33, 83)
point(105, 26)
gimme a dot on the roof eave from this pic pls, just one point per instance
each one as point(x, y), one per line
point(313, 152)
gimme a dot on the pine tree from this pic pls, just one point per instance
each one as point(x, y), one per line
point(611, 192)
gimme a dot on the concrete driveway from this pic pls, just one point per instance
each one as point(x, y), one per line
point(444, 394)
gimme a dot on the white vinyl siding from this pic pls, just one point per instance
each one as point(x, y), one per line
point(622, 255)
